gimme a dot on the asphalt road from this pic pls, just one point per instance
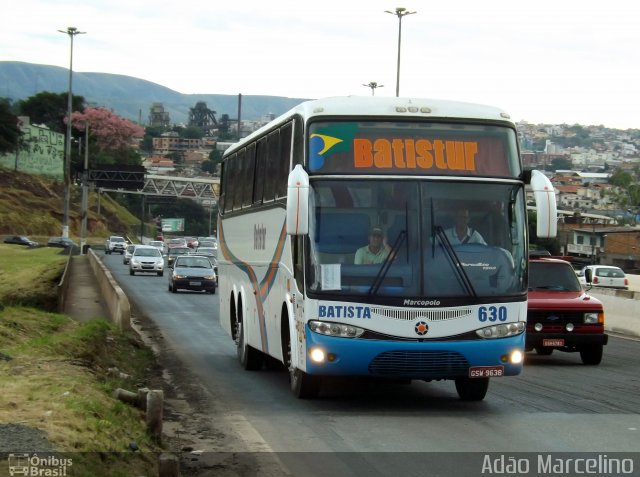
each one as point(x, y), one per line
point(556, 405)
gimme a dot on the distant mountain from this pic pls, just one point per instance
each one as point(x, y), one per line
point(130, 97)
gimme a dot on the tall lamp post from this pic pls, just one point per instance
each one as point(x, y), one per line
point(400, 12)
point(71, 31)
point(373, 85)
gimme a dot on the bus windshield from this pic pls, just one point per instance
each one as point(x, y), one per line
point(416, 238)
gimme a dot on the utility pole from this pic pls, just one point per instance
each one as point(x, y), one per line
point(71, 31)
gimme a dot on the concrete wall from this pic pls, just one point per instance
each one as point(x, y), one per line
point(115, 299)
point(621, 307)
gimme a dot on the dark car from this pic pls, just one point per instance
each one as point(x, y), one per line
point(172, 253)
point(192, 272)
point(62, 242)
point(20, 240)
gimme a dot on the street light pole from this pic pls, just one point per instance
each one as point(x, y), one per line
point(85, 190)
point(373, 85)
point(400, 12)
point(71, 31)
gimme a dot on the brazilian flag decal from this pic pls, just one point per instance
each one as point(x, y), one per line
point(328, 140)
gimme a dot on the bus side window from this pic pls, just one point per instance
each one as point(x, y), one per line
point(261, 170)
point(283, 160)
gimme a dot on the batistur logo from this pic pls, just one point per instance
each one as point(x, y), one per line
point(34, 465)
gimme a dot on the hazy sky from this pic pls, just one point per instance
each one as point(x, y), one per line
point(561, 61)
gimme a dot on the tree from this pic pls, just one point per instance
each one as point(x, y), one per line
point(111, 137)
point(192, 132)
point(10, 133)
point(50, 109)
point(561, 163)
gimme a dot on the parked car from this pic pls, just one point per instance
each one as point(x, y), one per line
point(146, 259)
point(604, 276)
point(115, 244)
point(192, 272)
point(560, 315)
point(21, 240)
point(62, 242)
point(126, 257)
point(172, 253)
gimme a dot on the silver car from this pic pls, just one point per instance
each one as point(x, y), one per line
point(127, 253)
point(146, 259)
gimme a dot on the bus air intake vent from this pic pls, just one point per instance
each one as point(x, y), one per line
point(438, 314)
point(425, 364)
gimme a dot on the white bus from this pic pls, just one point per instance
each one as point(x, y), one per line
point(301, 195)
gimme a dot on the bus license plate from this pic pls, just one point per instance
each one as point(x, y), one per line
point(486, 371)
point(553, 342)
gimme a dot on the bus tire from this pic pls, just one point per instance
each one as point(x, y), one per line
point(472, 389)
point(250, 358)
point(591, 355)
point(303, 385)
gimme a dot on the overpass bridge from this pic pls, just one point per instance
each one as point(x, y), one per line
point(206, 190)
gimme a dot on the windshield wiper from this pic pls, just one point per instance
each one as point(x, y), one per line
point(454, 261)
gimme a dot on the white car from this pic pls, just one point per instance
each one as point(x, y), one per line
point(604, 276)
point(127, 253)
point(146, 258)
point(159, 244)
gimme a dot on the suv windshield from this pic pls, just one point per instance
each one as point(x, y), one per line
point(554, 276)
point(416, 238)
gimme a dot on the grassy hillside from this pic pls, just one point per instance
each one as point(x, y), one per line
point(33, 205)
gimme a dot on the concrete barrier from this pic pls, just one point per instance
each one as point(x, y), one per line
point(115, 299)
point(621, 307)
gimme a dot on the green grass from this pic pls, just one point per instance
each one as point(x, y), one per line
point(55, 371)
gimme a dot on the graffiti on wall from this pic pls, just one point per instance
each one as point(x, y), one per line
point(42, 153)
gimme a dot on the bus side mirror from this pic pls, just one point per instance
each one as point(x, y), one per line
point(546, 208)
point(588, 275)
point(298, 202)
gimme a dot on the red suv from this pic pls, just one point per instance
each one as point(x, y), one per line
point(560, 315)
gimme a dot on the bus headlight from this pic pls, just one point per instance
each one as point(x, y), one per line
point(503, 330)
point(335, 329)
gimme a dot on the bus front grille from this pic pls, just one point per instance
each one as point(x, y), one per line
point(427, 364)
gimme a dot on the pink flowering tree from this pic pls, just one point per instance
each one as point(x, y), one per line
point(112, 139)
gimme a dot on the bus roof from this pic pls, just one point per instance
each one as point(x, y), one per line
point(388, 107)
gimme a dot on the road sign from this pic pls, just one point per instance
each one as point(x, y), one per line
point(173, 225)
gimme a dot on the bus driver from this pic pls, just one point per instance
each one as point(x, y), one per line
point(461, 232)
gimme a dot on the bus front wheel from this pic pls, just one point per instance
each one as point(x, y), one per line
point(472, 389)
point(303, 385)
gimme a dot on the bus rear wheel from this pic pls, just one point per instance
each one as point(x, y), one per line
point(250, 358)
point(472, 389)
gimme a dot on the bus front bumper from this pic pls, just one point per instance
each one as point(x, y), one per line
point(414, 359)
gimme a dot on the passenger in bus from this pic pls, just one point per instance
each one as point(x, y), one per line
point(375, 251)
point(461, 233)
